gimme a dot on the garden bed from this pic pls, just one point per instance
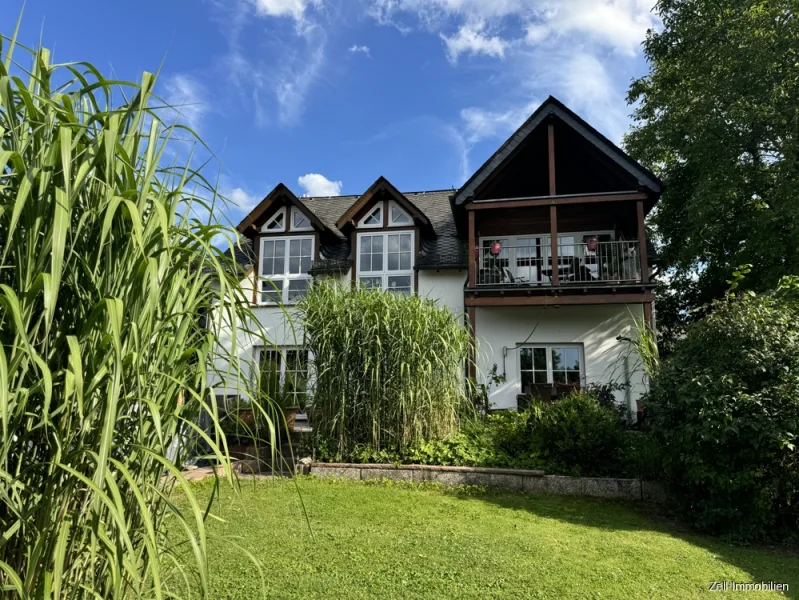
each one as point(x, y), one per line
point(513, 479)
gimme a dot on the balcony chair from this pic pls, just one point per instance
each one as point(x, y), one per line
point(578, 272)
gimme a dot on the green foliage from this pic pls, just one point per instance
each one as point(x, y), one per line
point(640, 456)
point(579, 435)
point(716, 119)
point(106, 279)
point(481, 392)
point(389, 368)
point(475, 445)
point(574, 436)
point(725, 409)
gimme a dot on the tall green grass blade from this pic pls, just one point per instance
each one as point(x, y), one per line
point(106, 293)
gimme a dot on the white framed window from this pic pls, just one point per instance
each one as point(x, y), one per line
point(284, 370)
point(374, 218)
point(543, 364)
point(398, 217)
point(385, 261)
point(284, 265)
point(276, 223)
point(299, 222)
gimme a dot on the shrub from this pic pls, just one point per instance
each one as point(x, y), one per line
point(574, 436)
point(389, 368)
point(640, 456)
point(725, 408)
point(579, 435)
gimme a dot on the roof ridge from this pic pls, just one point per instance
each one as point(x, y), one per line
point(452, 190)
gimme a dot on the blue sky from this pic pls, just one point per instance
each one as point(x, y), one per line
point(327, 95)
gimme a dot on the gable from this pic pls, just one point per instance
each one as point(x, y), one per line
point(280, 207)
point(384, 194)
point(586, 161)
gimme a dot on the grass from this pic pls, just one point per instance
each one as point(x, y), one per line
point(400, 541)
point(388, 368)
point(115, 313)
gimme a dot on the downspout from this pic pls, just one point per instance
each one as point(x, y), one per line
point(627, 394)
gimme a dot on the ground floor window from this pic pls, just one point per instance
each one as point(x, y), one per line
point(550, 364)
point(284, 371)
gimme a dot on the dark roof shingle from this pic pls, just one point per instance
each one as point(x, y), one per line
point(435, 205)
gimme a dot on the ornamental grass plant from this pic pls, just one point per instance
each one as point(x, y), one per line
point(108, 282)
point(388, 368)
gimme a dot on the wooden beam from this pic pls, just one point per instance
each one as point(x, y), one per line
point(557, 200)
point(553, 232)
point(354, 246)
point(648, 315)
point(417, 242)
point(642, 243)
point(471, 257)
point(471, 311)
point(560, 300)
point(551, 153)
point(256, 270)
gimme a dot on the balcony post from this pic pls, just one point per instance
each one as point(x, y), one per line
point(553, 209)
point(642, 243)
point(472, 258)
point(471, 367)
point(551, 154)
point(553, 233)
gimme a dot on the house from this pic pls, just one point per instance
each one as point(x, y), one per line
point(543, 252)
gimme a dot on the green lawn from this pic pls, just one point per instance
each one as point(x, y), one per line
point(389, 541)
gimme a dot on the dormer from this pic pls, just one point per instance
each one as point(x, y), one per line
point(287, 239)
point(383, 207)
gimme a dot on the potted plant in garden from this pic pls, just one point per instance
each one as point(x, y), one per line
point(288, 402)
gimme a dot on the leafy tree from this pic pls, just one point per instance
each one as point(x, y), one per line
point(724, 409)
point(718, 119)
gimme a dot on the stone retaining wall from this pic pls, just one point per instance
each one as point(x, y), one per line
point(513, 479)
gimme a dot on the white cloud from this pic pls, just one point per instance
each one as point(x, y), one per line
point(481, 124)
point(470, 39)
point(617, 24)
point(242, 199)
point(285, 8)
point(581, 51)
point(356, 49)
point(275, 90)
point(294, 82)
point(315, 184)
point(188, 98)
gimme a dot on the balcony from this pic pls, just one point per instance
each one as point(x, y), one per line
point(530, 265)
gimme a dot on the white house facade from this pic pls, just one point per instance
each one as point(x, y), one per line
point(542, 253)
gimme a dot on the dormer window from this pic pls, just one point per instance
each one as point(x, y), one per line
point(399, 217)
point(277, 222)
point(385, 261)
point(374, 218)
point(299, 222)
point(284, 265)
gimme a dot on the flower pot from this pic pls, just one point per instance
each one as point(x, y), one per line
point(246, 416)
point(290, 414)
